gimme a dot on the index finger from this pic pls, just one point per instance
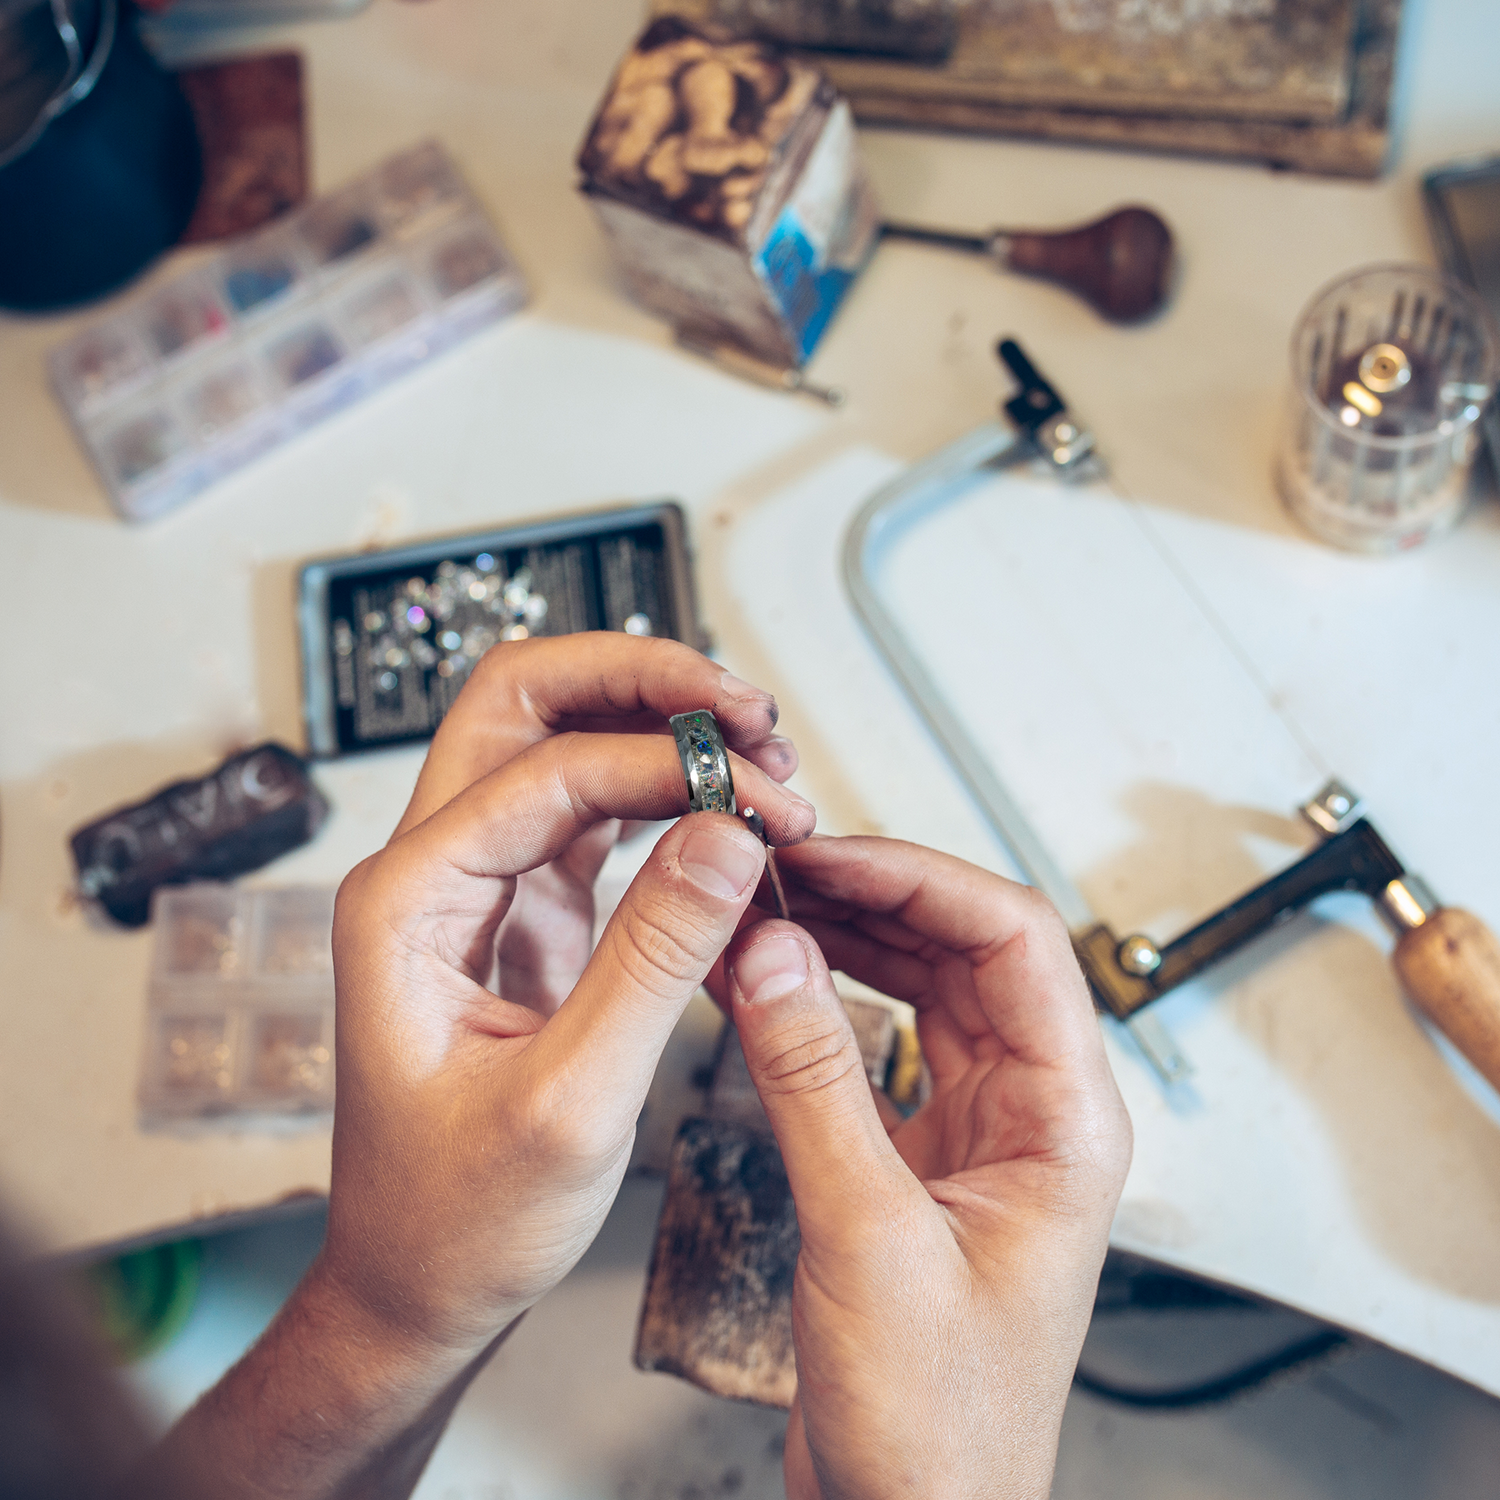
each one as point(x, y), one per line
point(522, 691)
point(1027, 980)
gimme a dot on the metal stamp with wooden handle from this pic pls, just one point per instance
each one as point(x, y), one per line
point(1447, 959)
point(1121, 265)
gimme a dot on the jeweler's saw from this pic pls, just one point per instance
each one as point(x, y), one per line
point(1132, 695)
point(1448, 960)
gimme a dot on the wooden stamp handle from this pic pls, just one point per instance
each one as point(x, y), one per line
point(1450, 966)
point(1121, 264)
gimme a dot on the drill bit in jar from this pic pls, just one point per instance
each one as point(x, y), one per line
point(1391, 369)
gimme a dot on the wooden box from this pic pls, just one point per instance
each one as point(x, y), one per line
point(728, 179)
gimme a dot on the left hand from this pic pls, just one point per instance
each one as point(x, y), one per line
point(479, 1138)
point(528, 691)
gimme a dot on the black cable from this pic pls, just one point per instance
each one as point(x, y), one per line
point(1164, 1291)
point(1238, 1382)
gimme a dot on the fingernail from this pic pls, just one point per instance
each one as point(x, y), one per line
point(784, 751)
point(737, 687)
point(719, 862)
point(771, 968)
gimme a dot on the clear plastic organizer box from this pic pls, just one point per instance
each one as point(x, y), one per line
point(240, 1006)
point(282, 328)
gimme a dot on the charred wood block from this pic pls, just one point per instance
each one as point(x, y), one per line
point(718, 1308)
point(258, 805)
point(695, 123)
point(875, 1033)
point(732, 1095)
point(728, 179)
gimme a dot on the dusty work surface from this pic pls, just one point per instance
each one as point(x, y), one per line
point(152, 650)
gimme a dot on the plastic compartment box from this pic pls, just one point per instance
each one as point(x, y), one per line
point(282, 328)
point(240, 1006)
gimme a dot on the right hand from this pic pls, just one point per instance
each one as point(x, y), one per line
point(948, 1263)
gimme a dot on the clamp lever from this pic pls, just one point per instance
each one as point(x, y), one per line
point(1447, 960)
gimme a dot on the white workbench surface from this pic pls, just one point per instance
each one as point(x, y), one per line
point(1369, 1193)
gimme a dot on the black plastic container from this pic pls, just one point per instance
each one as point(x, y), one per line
point(110, 182)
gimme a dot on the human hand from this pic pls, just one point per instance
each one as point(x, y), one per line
point(948, 1261)
point(609, 683)
point(480, 1137)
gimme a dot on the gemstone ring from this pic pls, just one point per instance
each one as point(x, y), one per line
point(705, 762)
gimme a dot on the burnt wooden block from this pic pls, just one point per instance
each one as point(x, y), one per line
point(728, 179)
point(1301, 84)
point(718, 1308)
point(256, 806)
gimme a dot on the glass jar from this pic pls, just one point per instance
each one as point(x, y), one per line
point(1392, 367)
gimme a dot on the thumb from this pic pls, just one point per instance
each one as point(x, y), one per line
point(801, 1052)
point(666, 934)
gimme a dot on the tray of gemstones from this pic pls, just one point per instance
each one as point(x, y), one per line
point(239, 1006)
point(389, 638)
point(278, 330)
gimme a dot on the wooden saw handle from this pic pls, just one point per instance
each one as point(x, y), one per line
point(1450, 966)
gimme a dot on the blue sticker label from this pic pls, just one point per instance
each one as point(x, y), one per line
point(806, 292)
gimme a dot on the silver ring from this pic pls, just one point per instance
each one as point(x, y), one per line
point(705, 762)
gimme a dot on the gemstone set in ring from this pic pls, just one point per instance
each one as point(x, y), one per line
point(705, 762)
